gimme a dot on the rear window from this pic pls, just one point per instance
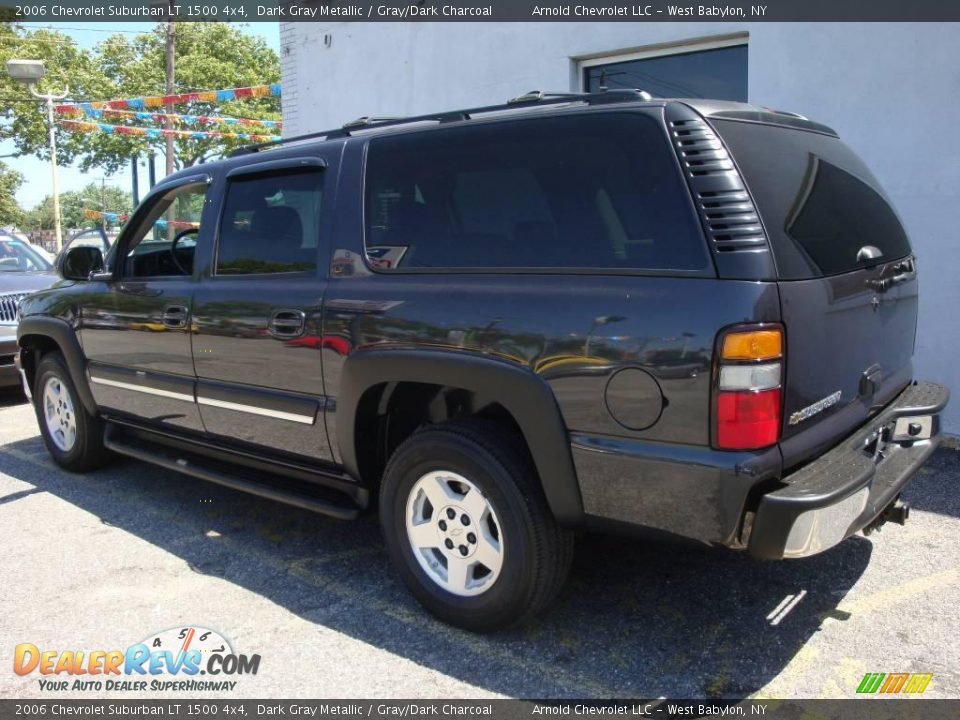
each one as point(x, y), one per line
point(599, 191)
point(823, 210)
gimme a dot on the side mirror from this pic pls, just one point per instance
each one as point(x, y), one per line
point(78, 263)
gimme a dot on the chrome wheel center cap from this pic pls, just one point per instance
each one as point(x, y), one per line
point(458, 537)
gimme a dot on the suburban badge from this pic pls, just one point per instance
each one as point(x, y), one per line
point(818, 407)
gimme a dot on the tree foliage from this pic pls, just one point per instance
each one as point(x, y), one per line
point(209, 56)
point(23, 118)
point(10, 182)
point(105, 198)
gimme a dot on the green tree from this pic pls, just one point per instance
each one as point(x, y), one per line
point(23, 118)
point(209, 56)
point(10, 182)
point(93, 196)
point(39, 217)
point(105, 198)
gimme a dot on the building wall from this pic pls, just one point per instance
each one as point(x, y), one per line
point(892, 91)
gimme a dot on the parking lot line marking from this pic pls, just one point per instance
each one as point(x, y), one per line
point(899, 593)
point(782, 686)
point(419, 620)
point(845, 675)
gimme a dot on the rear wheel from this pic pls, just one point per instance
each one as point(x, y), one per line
point(74, 437)
point(468, 528)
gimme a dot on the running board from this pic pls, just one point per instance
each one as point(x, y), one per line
point(191, 464)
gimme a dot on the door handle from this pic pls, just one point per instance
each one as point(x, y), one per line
point(175, 316)
point(287, 323)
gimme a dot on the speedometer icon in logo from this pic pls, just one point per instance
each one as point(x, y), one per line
point(185, 639)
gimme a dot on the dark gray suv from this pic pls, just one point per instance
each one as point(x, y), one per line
point(501, 325)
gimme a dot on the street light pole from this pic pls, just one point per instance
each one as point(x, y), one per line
point(50, 97)
point(170, 53)
point(31, 72)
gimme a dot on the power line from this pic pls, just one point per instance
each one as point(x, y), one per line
point(58, 28)
point(67, 40)
point(58, 41)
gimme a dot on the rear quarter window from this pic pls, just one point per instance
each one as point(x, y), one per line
point(586, 191)
point(819, 203)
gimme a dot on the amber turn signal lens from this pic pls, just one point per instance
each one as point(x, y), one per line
point(753, 345)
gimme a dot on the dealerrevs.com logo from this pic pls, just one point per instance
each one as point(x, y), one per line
point(171, 661)
point(892, 683)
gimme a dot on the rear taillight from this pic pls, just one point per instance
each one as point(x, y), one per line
point(748, 392)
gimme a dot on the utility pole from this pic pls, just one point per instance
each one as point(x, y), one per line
point(50, 97)
point(31, 72)
point(171, 31)
point(135, 177)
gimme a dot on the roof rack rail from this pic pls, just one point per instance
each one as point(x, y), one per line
point(617, 95)
point(366, 121)
point(539, 97)
point(787, 113)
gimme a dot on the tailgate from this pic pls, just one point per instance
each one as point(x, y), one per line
point(846, 275)
point(849, 350)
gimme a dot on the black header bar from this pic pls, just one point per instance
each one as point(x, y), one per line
point(326, 11)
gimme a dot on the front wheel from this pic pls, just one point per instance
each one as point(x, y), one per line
point(468, 528)
point(74, 437)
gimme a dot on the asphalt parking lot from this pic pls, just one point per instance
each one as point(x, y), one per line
point(104, 560)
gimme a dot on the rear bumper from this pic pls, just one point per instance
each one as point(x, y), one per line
point(845, 489)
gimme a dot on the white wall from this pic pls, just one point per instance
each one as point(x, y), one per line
point(892, 91)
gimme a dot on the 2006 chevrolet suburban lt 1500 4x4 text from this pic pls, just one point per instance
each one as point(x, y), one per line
point(501, 325)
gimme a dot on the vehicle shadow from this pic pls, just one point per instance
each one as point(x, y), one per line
point(934, 489)
point(10, 396)
point(635, 620)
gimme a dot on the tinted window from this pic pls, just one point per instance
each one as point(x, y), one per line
point(270, 224)
point(591, 191)
point(819, 202)
point(719, 74)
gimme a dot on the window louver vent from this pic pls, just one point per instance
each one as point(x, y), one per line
point(8, 307)
point(726, 208)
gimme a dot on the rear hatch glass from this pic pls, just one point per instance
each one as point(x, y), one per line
point(820, 204)
point(848, 290)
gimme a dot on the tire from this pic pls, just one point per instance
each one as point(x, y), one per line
point(517, 557)
point(74, 437)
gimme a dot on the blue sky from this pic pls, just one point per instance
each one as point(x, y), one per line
point(37, 172)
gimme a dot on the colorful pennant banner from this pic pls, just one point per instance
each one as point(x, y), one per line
point(152, 101)
point(99, 113)
point(105, 216)
point(81, 126)
point(113, 218)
